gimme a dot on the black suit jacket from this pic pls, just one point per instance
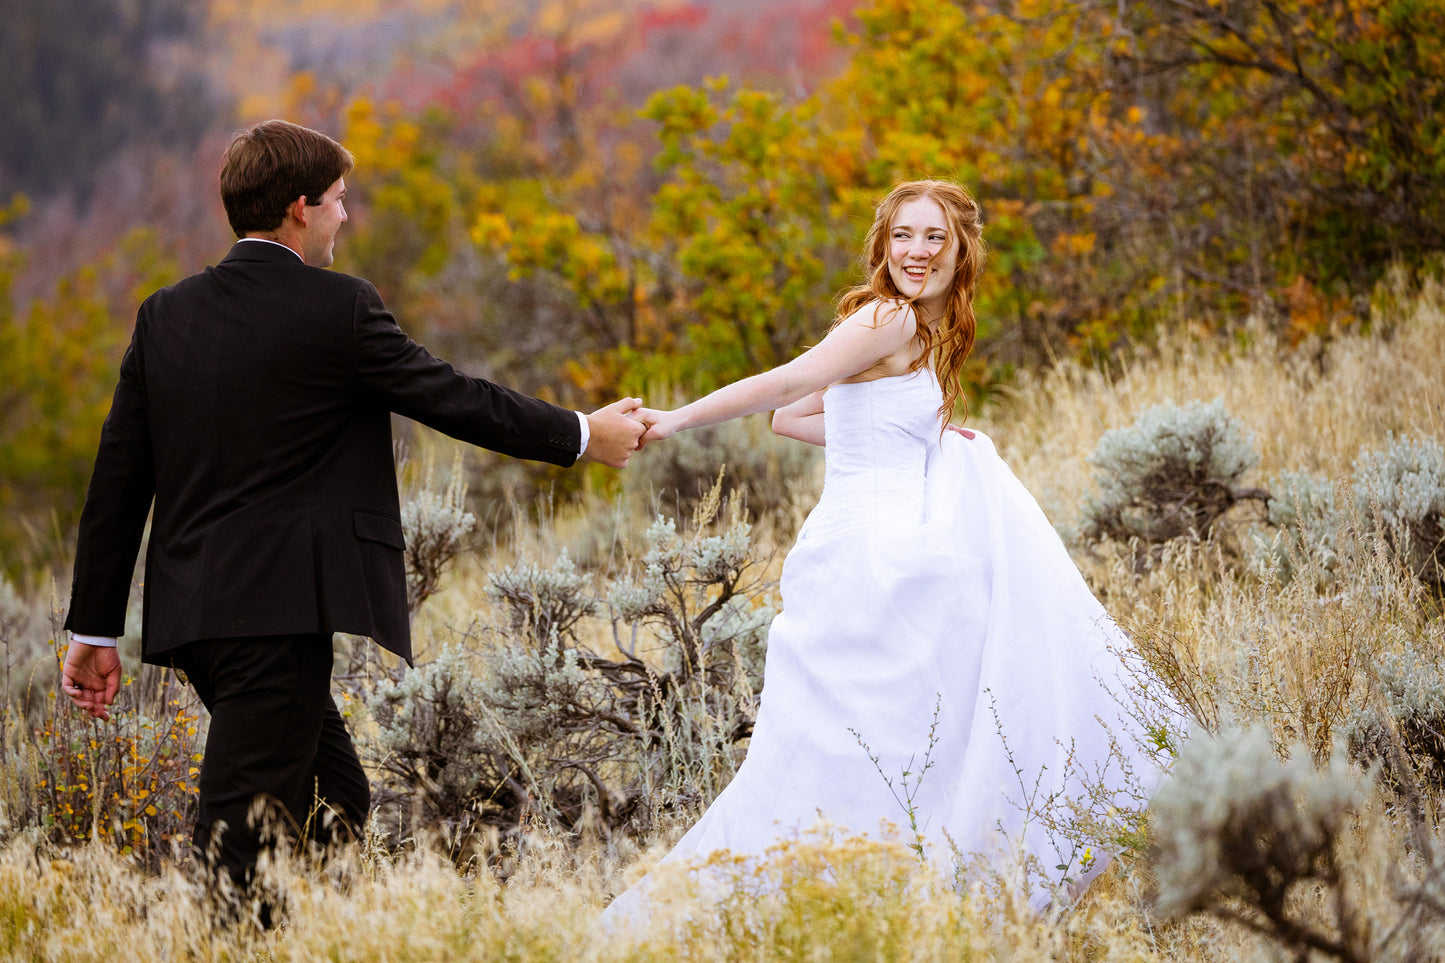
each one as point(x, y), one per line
point(254, 407)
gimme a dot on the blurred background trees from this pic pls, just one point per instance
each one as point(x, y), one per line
point(589, 198)
point(81, 80)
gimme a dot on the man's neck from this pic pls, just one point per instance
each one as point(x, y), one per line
point(273, 239)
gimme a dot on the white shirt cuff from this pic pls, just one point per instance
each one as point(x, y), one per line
point(104, 641)
point(586, 433)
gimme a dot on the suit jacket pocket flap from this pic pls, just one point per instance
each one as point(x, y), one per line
point(376, 527)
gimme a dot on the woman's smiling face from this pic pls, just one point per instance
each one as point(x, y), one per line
point(922, 255)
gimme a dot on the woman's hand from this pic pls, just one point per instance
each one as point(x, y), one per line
point(960, 429)
point(660, 424)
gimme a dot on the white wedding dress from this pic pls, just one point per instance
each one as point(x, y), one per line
point(926, 578)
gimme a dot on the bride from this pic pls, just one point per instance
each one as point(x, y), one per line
point(929, 609)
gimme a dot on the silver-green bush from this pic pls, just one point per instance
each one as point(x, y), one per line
point(1402, 490)
point(1402, 730)
point(1239, 832)
point(1302, 510)
point(761, 467)
point(432, 747)
point(435, 524)
point(25, 633)
point(1174, 472)
point(539, 724)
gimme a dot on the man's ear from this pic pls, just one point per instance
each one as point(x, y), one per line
point(297, 209)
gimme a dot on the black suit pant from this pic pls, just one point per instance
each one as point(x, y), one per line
point(276, 736)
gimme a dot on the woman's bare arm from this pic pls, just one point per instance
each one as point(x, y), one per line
point(803, 419)
point(871, 333)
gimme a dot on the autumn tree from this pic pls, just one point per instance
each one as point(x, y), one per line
point(568, 216)
point(1151, 165)
point(409, 194)
point(82, 79)
point(58, 364)
point(757, 227)
point(1325, 114)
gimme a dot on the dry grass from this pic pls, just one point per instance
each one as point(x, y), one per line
point(817, 900)
point(1310, 408)
point(1249, 646)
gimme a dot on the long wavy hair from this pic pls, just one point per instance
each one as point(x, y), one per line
point(947, 342)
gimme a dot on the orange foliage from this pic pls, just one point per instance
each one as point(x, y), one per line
point(130, 781)
point(1313, 313)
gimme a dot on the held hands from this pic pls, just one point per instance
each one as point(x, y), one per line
point(91, 677)
point(623, 427)
point(660, 424)
point(614, 432)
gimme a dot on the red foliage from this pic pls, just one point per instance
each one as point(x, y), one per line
point(787, 42)
point(686, 16)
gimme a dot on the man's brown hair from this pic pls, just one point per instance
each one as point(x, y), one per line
point(270, 165)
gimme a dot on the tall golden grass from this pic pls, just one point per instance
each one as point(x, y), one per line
point(1250, 646)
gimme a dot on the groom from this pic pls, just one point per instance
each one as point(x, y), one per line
point(254, 409)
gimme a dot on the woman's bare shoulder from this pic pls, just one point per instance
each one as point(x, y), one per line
point(891, 326)
point(885, 314)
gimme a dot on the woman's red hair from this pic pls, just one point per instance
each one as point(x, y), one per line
point(947, 341)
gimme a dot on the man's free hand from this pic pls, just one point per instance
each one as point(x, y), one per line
point(614, 432)
point(91, 677)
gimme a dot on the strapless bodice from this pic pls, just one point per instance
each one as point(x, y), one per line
point(879, 434)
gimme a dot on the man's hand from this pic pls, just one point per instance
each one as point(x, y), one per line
point(91, 677)
point(614, 433)
point(960, 430)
